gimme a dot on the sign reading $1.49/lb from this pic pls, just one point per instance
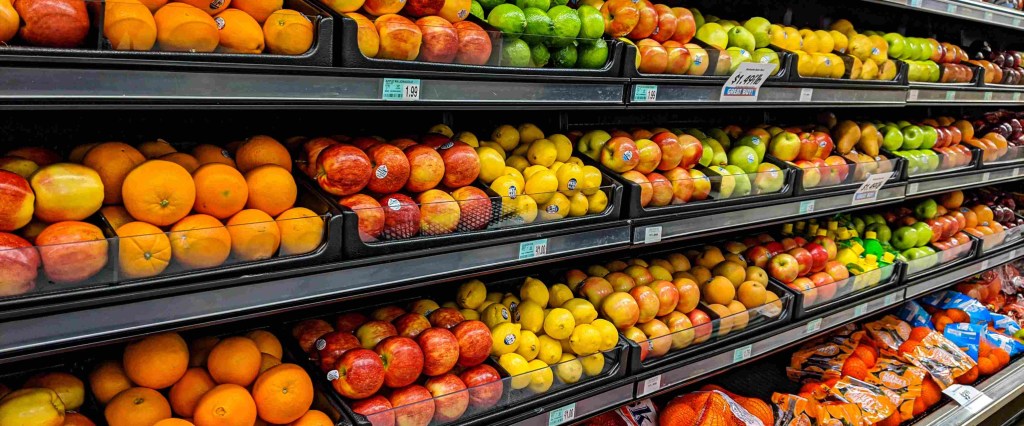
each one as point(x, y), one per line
point(744, 84)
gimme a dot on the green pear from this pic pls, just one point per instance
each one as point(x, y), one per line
point(742, 38)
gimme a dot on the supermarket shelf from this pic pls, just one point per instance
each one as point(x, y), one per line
point(964, 9)
point(928, 285)
point(702, 96)
point(594, 402)
point(962, 95)
point(1002, 388)
point(966, 180)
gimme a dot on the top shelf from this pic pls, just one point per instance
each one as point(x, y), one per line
point(965, 9)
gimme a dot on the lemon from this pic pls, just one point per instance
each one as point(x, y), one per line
point(590, 180)
point(542, 152)
point(509, 189)
point(495, 314)
point(810, 41)
point(516, 174)
point(593, 364)
point(559, 323)
point(470, 314)
point(532, 170)
point(531, 316)
point(541, 377)
point(493, 296)
point(534, 290)
point(517, 162)
point(469, 138)
point(505, 338)
point(541, 185)
point(825, 42)
point(471, 294)
point(583, 312)
point(556, 166)
point(560, 294)
point(585, 340)
point(450, 304)
point(556, 208)
point(483, 306)
point(521, 150)
point(492, 164)
point(526, 209)
point(496, 147)
point(550, 349)
point(574, 160)
point(609, 334)
point(442, 129)
point(529, 345)
point(506, 136)
point(563, 147)
point(569, 177)
point(516, 366)
point(578, 205)
point(839, 41)
point(566, 347)
point(529, 132)
point(597, 203)
point(569, 370)
point(510, 301)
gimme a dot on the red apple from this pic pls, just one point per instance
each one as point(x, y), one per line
point(803, 258)
point(401, 216)
point(692, 151)
point(837, 270)
point(440, 350)
point(474, 44)
point(829, 244)
point(390, 168)
point(372, 332)
point(620, 154)
point(439, 213)
point(387, 313)
point(402, 143)
point(653, 56)
point(419, 8)
point(461, 164)
point(647, 23)
point(440, 40)
point(411, 324)
point(666, 25)
point(668, 296)
point(825, 285)
point(474, 342)
point(446, 317)
point(806, 287)
point(758, 256)
point(679, 60)
point(662, 191)
point(682, 185)
point(620, 17)
point(377, 410)
point(774, 247)
point(358, 374)
point(364, 143)
point(403, 360)
point(784, 267)
point(48, 23)
point(646, 189)
point(819, 256)
point(17, 201)
point(369, 213)
point(824, 144)
point(484, 383)
point(343, 169)
point(451, 399)
point(671, 150)
point(427, 168)
point(41, 156)
point(332, 346)
point(475, 208)
point(306, 332)
point(349, 321)
point(414, 406)
point(19, 265)
point(686, 28)
point(788, 243)
point(701, 325)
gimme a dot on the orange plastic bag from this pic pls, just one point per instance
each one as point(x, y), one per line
point(874, 404)
point(939, 357)
point(823, 359)
point(889, 333)
point(901, 382)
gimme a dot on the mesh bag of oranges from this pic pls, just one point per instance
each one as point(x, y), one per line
point(715, 405)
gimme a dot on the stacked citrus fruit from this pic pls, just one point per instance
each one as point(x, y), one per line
point(45, 399)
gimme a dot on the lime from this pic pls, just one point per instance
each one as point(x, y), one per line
point(490, 4)
point(515, 53)
point(539, 27)
point(539, 57)
point(591, 22)
point(508, 18)
point(476, 9)
point(593, 55)
point(563, 57)
point(559, 2)
point(543, 5)
point(567, 25)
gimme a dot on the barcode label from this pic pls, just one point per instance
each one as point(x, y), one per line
point(645, 93)
point(742, 354)
point(652, 234)
point(401, 89)
point(651, 385)
point(813, 326)
point(562, 415)
point(532, 249)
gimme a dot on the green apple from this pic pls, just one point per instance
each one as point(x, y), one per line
point(904, 238)
point(769, 178)
point(903, 123)
point(697, 133)
point(713, 35)
point(859, 225)
point(742, 38)
point(897, 45)
point(882, 232)
point(739, 56)
point(742, 181)
point(932, 159)
point(590, 143)
point(755, 142)
point(785, 146)
point(766, 56)
point(926, 209)
point(719, 157)
point(744, 157)
point(892, 138)
point(698, 18)
point(707, 154)
point(722, 137)
point(726, 184)
point(913, 137)
point(914, 253)
point(924, 233)
point(934, 72)
point(759, 27)
point(931, 136)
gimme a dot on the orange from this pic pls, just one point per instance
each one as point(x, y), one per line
point(313, 418)
point(266, 342)
point(156, 149)
point(116, 216)
point(156, 361)
point(986, 366)
point(181, 27)
point(173, 422)
point(185, 394)
point(235, 360)
point(226, 405)
point(268, 361)
point(866, 354)
point(200, 241)
point(260, 10)
point(77, 419)
point(137, 406)
point(113, 161)
point(154, 5)
point(78, 152)
point(188, 162)
point(254, 235)
point(260, 150)
point(719, 291)
point(199, 349)
point(302, 230)
point(271, 189)
point(107, 380)
point(159, 192)
point(212, 7)
point(239, 32)
point(283, 394)
point(288, 32)
point(207, 154)
point(143, 250)
point(220, 190)
point(129, 25)
point(855, 367)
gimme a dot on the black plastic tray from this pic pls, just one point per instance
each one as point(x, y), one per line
point(904, 172)
point(940, 268)
point(97, 47)
point(787, 67)
point(847, 185)
point(801, 312)
point(902, 71)
point(1012, 237)
point(977, 80)
point(19, 373)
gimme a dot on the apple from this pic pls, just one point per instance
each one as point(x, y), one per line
point(701, 325)
point(19, 265)
point(784, 267)
point(370, 214)
point(680, 328)
point(403, 360)
point(422, 8)
point(637, 336)
point(387, 313)
point(785, 146)
point(621, 281)
point(668, 296)
point(701, 185)
point(58, 24)
point(689, 294)
point(372, 332)
point(343, 169)
point(414, 406)
point(808, 147)
point(595, 289)
point(825, 285)
point(440, 350)
point(662, 191)
point(461, 164)
point(427, 168)
point(647, 23)
point(621, 309)
point(620, 17)
point(475, 208)
point(390, 168)
point(376, 409)
point(648, 302)
point(16, 201)
point(650, 156)
point(758, 256)
point(682, 185)
point(774, 247)
point(679, 58)
point(451, 399)
point(446, 318)
point(646, 189)
point(823, 145)
point(789, 243)
point(331, 346)
point(306, 332)
point(591, 143)
point(620, 154)
point(836, 270)
point(485, 386)
point(440, 40)
point(401, 216)
point(411, 324)
point(686, 27)
point(804, 258)
point(829, 245)
point(805, 286)
point(837, 169)
point(474, 43)
point(358, 374)
point(692, 150)
point(653, 57)
point(400, 38)
point(811, 171)
point(671, 150)
point(474, 342)
point(819, 256)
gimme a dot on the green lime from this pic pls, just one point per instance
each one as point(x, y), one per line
point(508, 18)
point(564, 57)
point(539, 55)
point(515, 53)
point(539, 27)
point(567, 25)
point(543, 5)
point(593, 55)
point(490, 4)
point(477, 10)
point(591, 22)
point(559, 2)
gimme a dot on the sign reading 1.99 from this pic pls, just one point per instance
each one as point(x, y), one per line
point(745, 83)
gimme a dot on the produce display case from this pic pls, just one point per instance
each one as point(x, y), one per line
point(1013, 155)
point(941, 164)
point(810, 302)
point(840, 177)
point(900, 79)
point(717, 69)
point(1000, 241)
point(942, 260)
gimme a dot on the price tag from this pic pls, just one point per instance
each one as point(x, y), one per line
point(652, 234)
point(950, 8)
point(915, 3)
point(950, 95)
point(806, 94)
point(987, 96)
point(986, 176)
point(1016, 22)
point(891, 299)
point(988, 16)
point(912, 95)
point(1016, 97)
point(650, 386)
point(860, 309)
point(985, 265)
point(744, 84)
point(968, 397)
point(813, 326)
point(911, 188)
point(868, 191)
point(1016, 172)
point(532, 249)
point(401, 89)
point(807, 206)
point(645, 93)
point(562, 415)
point(741, 354)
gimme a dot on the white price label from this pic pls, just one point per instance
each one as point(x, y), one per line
point(645, 93)
point(915, 3)
point(651, 385)
point(741, 354)
point(806, 94)
point(968, 397)
point(986, 176)
point(807, 206)
point(1016, 97)
point(950, 95)
point(987, 96)
point(911, 188)
point(1017, 172)
point(860, 309)
point(1016, 22)
point(985, 265)
point(744, 84)
point(912, 95)
point(401, 89)
point(562, 415)
point(868, 191)
point(652, 234)
point(988, 16)
point(813, 326)
point(891, 299)
point(950, 8)
point(532, 249)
